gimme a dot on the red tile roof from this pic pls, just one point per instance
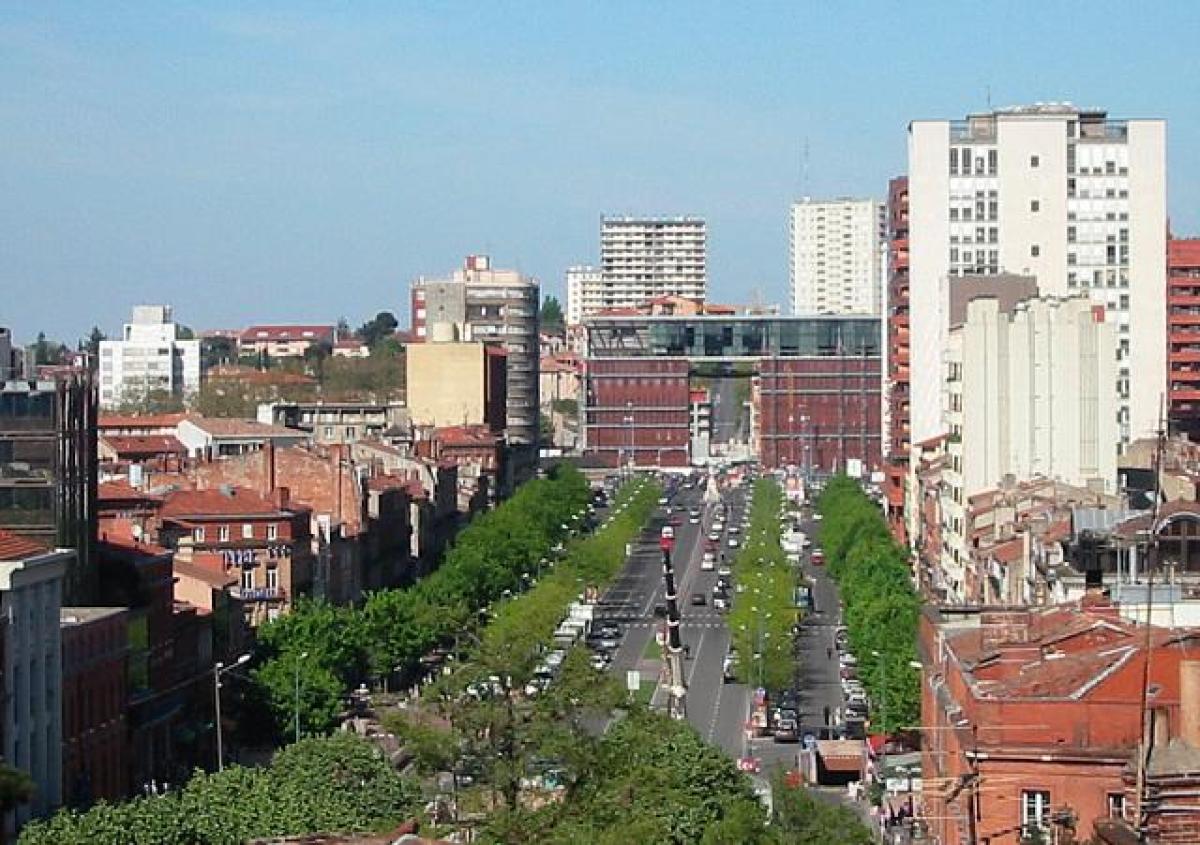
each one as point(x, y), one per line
point(466, 435)
point(230, 501)
point(314, 334)
point(199, 573)
point(155, 444)
point(120, 491)
point(16, 547)
point(138, 421)
point(228, 427)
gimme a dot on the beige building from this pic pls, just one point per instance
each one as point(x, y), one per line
point(453, 382)
point(1030, 391)
point(1068, 195)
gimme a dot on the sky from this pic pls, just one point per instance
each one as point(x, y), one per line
point(263, 162)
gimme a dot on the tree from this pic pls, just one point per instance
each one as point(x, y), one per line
point(141, 399)
point(804, 818)
point(382, 326)
point(215, 351)
point(47, 351)
point(91, 344)
point(551, 317)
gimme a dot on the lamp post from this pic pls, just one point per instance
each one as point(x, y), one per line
point(303, 656)
point(632, 461)
point(220, 669)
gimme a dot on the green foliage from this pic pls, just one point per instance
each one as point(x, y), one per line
point(566, 407)
point(136, 399)
point(803, 818)
point(16, 787)
point(551, 318)
point(332, 784)
point(217, 350)
point(499, 551)
point(881, 607)
point(380, 376)
point(383, 325)
point(763, 612)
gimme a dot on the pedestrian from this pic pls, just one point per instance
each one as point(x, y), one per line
point(829, 652)
point(827, 714)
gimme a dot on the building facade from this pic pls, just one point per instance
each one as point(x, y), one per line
point(837, 256)
point(1183, 304)
point(1067, 195)
point(285, 341)
point(645, 257)
point(489, 305)
point(31, 577)
point(815, 395)
point(1030, 392)
point(585, 293)
point(48, 470)
point(896, 417)
point(152, 357)
point(330, 423)
point(457, 382)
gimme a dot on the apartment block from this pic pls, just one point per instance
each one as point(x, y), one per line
point(585, 293)
point(837, 256)
point(490, 305)
point(285, 341)
point(31, 580)
point(456, 382)
point(645, 257)
point(1183, 315)
point(897, 346)
point(152, 357)
point(1068, 195)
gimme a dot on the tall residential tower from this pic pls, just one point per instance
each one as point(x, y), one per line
point(837, 256)
point(1067, 195)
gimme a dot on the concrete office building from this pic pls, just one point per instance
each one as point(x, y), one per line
point(837, 256)
point(30, 599)
point(585, 293)
point(488, 305)
point(150, 357)
point(645, 257)
point(1030, 390)
point(1067, 195)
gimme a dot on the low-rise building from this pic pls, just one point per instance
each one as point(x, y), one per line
point(159, 452)
point(335, 422)
point(284, 341)
point(31, 589)
point(95, 696)
point(217, 437)
point(1032, 718)
point(351, 348)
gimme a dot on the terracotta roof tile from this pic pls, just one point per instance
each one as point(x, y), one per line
point(286, 333)
point(231, 501)
point(15, 547)
point(155, 444)
point(121, 491)
point(138, 421)
point(229, 427)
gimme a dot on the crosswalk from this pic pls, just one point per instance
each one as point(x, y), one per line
point(694, 623)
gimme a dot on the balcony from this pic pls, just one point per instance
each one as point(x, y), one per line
point(1183, 299)
point(1183, 356)
point(258, 594)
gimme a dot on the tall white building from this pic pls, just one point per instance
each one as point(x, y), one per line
point(1064, 194)
point(1030, 390)
point(585, 292)
point(838, 256)
point(645, 257)
point(150, 357)
point(31, 579)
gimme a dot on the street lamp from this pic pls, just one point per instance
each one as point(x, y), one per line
point(220, 669)
point(303, 656)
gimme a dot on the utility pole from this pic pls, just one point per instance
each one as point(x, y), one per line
point(677, 702)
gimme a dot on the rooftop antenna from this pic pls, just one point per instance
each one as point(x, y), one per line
point(804, 170)
point(989, 97)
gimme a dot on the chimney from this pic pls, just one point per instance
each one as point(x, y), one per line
point(1189, 701)
point(283, 497)
point(268, 452)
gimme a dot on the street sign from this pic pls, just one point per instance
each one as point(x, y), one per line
point(633, 680)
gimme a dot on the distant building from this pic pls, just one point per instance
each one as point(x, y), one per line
point(336, 422)
point(485, 304)
point(645, 257)
point(217, 437)
point(585, 293)
point(1068, 195)
point(284, 341)
point(837, 256)
point(456, 382)
point(898, 343)
point(151, 357)
point(31, 578)
point(1183, 294)
point(8, 361)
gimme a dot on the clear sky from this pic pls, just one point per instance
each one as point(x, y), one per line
point(275, 162)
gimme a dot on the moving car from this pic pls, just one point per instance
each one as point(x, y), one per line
point(708, 563)
point(721, 603)
point(733, 542)
point(694, 517)
point(787, 728)
point(668, 532)
point(699, 600)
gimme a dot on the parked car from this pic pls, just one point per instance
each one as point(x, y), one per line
point(721, 602)
point(698, 600)
point(694, 517)
point(787, 728)
point(708, 563)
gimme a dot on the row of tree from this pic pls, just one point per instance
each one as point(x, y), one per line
point(764, 610)
point(331, 649)
point(336, 783)
point(881, 607)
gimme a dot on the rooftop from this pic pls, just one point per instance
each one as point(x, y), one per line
point(225, 501)
point(223, 427)
point(155, 444)
point(139, 421)
point(82, 615)
point(16, 547)
point(312, 333)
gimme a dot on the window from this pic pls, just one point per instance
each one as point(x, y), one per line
point(1035, 810)
point(198, 534)
point(1071, 234)
point(1116, 805)
point(272, 578)
point(1035, 250)
point(272, 531)
point(223, 533)
point(329, 431)
point(247, 579)
point(247, 531)
point(954, 161)
point(351, 432)
point(991, 162)
point(1034, 161)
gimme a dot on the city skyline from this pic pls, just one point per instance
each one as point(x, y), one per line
point(185, 156)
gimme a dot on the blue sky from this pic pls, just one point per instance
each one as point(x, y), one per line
point(280, 162)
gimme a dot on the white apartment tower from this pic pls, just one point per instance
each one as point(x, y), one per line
point(585, 293)
point(838, 256)
point(645, 257)
point(150, 357)
point(1067, 195)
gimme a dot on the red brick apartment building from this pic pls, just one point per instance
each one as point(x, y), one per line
point(1183, 334)
point(1031, 720)
point(898, 378)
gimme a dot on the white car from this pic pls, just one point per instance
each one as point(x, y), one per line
point(707, 564)
point(733, 543)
